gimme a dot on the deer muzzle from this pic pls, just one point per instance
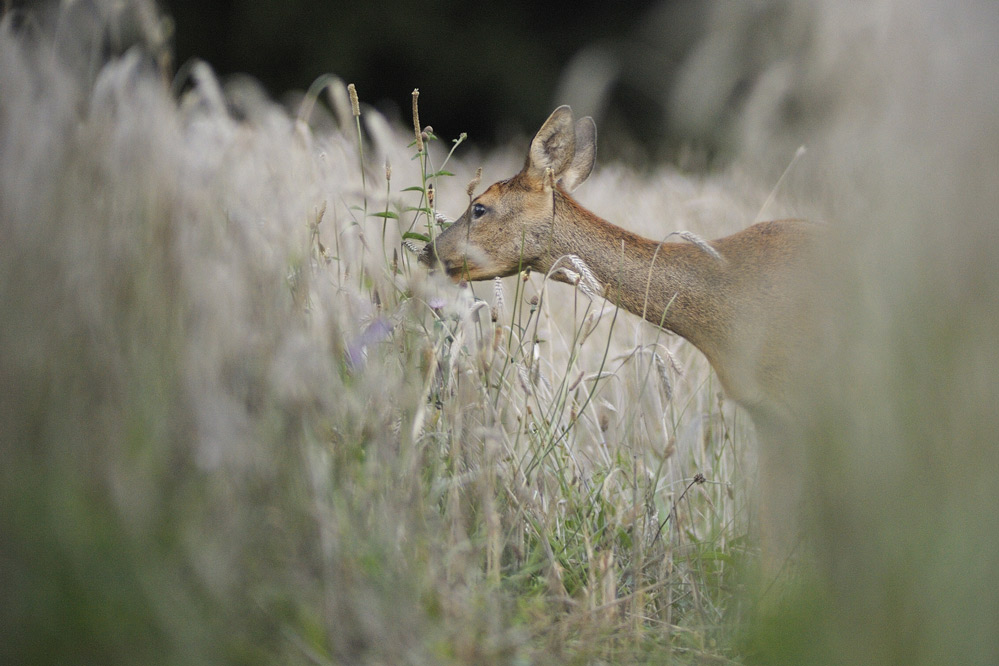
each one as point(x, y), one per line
point(428, 257)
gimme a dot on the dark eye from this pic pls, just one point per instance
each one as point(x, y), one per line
point(478, 210)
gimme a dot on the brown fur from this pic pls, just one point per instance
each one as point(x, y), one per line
point(746, 311)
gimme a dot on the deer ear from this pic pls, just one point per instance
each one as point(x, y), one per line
point(553, 146)
point(584, 157)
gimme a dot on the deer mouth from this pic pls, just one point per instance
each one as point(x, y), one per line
point(428, 257)
point(456, 272)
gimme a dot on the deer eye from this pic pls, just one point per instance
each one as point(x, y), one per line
point(478, 210)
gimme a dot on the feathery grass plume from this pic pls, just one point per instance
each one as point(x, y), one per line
point(674, 363)
point(208, 86)
point(589, 283)
point(317, 220)
point(339, 101)
point(523, 374)
point(589, 325)
point(472, 184)
point(572, 276)
point(416, 120)
point(542, 377)
point(693, 238)
point(475, 308)
point(664, 379)
point(333, 86)
point(498, 299)
point(582, 277)
point(497, 337)
point(355, 105)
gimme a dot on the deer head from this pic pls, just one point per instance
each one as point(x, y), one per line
point(510, 226)
point(742, 300)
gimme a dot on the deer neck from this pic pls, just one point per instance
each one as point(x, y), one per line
point(677, 286)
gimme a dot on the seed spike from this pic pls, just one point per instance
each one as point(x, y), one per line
point(416, 120)
point(355, 105)
point(472, 184)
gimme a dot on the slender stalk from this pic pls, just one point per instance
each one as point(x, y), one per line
point(355, 108)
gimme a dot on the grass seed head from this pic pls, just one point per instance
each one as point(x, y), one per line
point(416, 120)
point(589, 283)
point(663, 376)
point(355, 105)
point(472, 184)
point(691, 237)
point(498, 299)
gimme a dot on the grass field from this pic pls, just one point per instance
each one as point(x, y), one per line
point(240, 424)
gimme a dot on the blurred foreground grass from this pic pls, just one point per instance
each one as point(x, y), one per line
point(239, 425)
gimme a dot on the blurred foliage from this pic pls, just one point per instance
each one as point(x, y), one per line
point(192, 472)
point(483, 68)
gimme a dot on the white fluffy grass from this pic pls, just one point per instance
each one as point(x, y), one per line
point(220, 361)
point(231, 431)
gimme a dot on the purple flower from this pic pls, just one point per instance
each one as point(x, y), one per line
point(357, 350)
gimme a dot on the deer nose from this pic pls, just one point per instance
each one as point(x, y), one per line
point(428, 257)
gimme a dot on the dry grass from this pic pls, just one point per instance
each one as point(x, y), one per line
point(244, 426)
point(240, 425)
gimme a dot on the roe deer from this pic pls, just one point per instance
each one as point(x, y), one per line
point(737, 300)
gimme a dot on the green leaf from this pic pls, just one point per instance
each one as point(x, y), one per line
point(416, 236)
point(389, 214)
point(442, 172)
point(414, 188)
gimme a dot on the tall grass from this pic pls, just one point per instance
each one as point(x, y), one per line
point(240, 425)
point(901, 465)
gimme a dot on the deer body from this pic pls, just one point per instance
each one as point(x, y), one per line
point(744, 308)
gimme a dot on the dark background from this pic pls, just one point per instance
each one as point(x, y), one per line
point(492, 70)
point(681, 81)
